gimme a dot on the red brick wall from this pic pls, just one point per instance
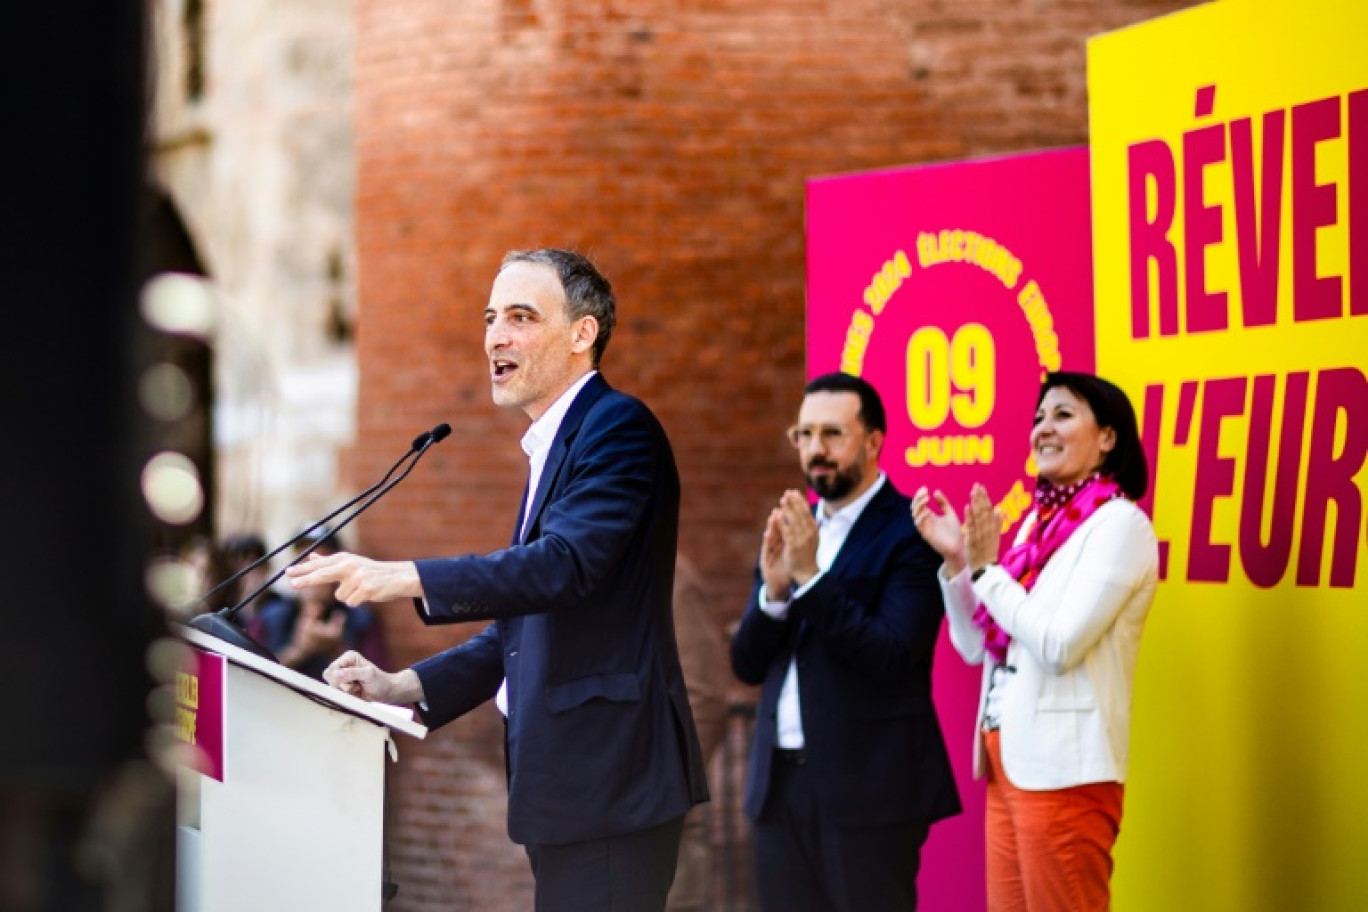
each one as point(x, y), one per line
point(670, 142)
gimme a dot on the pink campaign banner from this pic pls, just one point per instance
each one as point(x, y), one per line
point(953, 288)
point(200, 710)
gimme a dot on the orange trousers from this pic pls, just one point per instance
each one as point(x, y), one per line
point(1049, 851)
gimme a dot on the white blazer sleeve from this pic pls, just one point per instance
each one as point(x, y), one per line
point(1117, 554)
point(960, 602)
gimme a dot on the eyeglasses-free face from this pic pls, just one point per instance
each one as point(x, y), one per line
point(1066, 441)
point(535, 350)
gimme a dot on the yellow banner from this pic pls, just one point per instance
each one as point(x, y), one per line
point(1230, 202)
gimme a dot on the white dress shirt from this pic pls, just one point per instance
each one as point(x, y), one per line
point(536, 443)
point(832, 531)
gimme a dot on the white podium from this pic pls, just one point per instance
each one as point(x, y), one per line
point(295, 819)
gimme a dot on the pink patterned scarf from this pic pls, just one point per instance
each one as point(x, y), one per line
point(1059, 511)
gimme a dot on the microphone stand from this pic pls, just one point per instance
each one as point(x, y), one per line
point(223, 624)
point(422, 440)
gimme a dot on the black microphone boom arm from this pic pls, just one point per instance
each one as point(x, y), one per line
point(223, 624)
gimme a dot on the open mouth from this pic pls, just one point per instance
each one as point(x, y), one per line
point(501, 369)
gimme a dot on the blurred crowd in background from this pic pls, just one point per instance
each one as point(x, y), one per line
point(306, 629)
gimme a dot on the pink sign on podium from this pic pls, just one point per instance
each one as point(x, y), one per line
point(199, 710)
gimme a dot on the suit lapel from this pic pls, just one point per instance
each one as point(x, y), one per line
point(522, 508)
point(565, 434)
point(866, 528)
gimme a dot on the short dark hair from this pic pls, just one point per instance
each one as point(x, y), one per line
point(587, 292)
point(1126, 463)
point(243, 546)
point(327, 539)
point(871, 406)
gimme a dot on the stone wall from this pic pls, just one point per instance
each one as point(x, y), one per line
point(252, 141)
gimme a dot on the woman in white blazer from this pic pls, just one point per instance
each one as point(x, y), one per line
point(1056, 624)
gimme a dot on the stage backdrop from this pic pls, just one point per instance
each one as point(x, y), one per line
point(952, 288)
point(1230, 183)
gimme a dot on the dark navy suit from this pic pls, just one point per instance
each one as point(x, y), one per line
point(600, 738)
point(864, 636)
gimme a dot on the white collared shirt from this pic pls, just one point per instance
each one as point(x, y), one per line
point(832, 531)
point(536, 443)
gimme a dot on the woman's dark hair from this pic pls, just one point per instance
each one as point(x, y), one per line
point(1126, 463)
point(871, 406)
point(331, 539)
point(243, 547)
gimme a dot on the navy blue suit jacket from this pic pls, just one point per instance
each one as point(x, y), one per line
point(864, 636)
point(600, 737)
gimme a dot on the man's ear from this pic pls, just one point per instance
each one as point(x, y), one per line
point(586, 333)
point(875, 439)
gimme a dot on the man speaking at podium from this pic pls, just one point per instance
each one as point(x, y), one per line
point(603, 760)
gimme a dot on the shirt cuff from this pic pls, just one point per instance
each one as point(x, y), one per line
point(944, 573)
point(806, 587)
point(777, 610)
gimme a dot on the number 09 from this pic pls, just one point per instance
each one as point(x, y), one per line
point(935, 364)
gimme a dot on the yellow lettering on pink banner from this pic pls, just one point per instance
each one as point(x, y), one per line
point(857, 341)
point(185, 724)
point(888, 280)
point(955, 245)
point(187, 689)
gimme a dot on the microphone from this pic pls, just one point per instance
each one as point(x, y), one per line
point(222, 624)
point(436, 435)
point(424, 439)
